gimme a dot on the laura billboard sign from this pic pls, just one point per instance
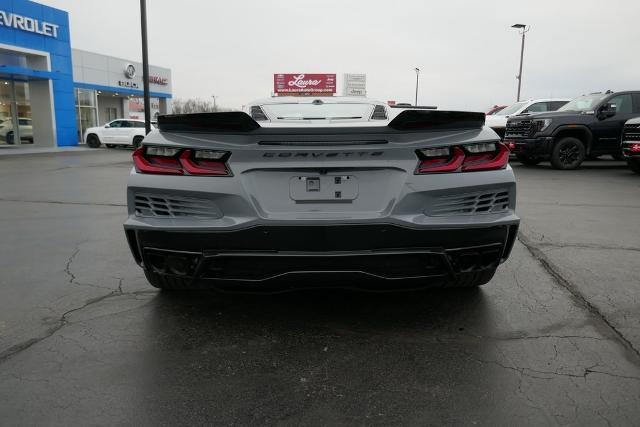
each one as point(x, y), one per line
point(301, 84)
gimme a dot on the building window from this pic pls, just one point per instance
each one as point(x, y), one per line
point(15, 113)
point(86, 110)
point(112, 113)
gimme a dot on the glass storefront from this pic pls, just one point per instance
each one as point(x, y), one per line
point(136, 108)
point(15, 113)
point(86, 109)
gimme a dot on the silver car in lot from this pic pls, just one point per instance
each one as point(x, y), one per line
point(307, 192)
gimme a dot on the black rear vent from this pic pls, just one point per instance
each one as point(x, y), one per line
point(379, 113)
point(258, 115)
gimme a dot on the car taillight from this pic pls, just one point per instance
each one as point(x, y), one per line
point(204, 162)
point(465, 158)
point(176, 161)
point(439, 160)
point(635, 148)
point(485, 157)
point(157, 160)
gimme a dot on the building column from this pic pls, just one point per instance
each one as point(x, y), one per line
point(125, 108)
point(162, 105)
point(42, 113)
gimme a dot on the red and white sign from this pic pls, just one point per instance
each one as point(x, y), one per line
point(300, 84)
point(158, 80)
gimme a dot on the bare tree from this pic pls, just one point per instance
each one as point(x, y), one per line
point(195, 105)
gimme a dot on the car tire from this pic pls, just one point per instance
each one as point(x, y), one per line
point(474, 279)
point(634, 165)
point(9, 138)
point(93, 141)
point(617, 156)
point(568, 154)
point(528, 160)
point(137, 141)
point(110, 145)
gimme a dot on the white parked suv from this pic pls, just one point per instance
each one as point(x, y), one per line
point(498, 121)
point(7, 133)
point(118, 132)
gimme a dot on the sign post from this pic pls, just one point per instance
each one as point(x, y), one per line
point(145, 66)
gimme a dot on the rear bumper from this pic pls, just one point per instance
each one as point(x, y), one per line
point(531, 146)
point(262, 254)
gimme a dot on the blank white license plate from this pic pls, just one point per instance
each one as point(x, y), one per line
point(323, 187)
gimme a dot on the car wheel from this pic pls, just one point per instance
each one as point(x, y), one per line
point(137, 140)
point(634, 164)
point(110, 145)
point(9, 138)
point(528, 160)
point(617, 156)
point(568, 153)
point(93, 141)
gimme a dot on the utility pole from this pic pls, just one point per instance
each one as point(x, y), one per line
point(215, 105)
point(523, 29)
point(417, 70)
point(145, 66)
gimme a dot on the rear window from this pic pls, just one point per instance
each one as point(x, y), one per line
point(318, 111)
point(513, 108)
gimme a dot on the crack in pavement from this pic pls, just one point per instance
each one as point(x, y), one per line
point(62, 322)
point(72, 276)
point(554, 271)
point(531, 373)
point(58, 202)
point(579, 205)
point(535, 337)
point(588, 246)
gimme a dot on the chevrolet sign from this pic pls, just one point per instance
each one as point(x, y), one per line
point(31, 25)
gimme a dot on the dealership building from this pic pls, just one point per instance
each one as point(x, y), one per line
point(53, 92)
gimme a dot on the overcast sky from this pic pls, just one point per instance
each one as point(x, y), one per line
point(467, 51)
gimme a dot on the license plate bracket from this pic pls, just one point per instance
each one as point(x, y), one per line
point(306, 188)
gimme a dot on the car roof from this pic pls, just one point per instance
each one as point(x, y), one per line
point(311, 99)
point(531, 101)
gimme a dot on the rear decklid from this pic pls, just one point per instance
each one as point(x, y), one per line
point(320, 172)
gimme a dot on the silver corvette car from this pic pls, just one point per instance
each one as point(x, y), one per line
point(303, 192)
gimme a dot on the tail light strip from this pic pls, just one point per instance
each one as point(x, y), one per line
point(149, 160)
point(465, 158)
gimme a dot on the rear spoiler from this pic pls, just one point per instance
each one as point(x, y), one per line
point(437, 120)
point(240, 122)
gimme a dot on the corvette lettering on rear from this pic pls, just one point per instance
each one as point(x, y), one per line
point(319, 154)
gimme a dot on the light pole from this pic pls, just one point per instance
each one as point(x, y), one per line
point(215, 106)
point(417, 70)
point(523, 29)
point(145, 66)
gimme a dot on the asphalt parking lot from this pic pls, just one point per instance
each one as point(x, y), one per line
point(553, 339)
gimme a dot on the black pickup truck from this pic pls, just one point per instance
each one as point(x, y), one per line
point(588, 126)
